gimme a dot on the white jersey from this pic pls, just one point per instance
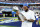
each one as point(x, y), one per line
point(28, 15)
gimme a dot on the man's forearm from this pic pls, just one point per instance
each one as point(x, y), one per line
point(31, 20)
point(21, 17)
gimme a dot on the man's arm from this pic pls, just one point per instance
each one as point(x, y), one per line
point(31, 20)
point(23, 18)
point(32, 17)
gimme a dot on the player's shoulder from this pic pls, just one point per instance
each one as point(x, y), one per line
point(31, 11)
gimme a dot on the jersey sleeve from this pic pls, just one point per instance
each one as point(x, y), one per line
point(33, 15)
point(21, 16)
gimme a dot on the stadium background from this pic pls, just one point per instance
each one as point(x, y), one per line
point(8, 4)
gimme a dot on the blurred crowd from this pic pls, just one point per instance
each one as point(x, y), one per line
point(35, 7)
point(21, 1)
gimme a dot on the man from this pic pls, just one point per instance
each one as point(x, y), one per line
point(37, 16)
point(27, 16)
